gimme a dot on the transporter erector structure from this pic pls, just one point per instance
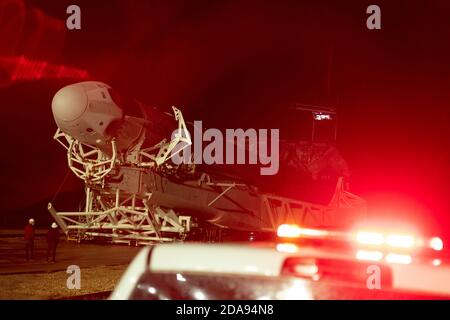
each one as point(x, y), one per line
point(135, 193)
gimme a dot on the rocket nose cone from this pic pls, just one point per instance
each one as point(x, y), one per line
point(69, 103)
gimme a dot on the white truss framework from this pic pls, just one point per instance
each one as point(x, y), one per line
point(121, 218)
point(165, 150)
point(87, 162)
point(117, 215)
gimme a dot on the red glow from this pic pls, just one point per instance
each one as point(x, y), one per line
point(21, 68)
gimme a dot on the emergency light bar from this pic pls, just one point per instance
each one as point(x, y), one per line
point(397, 240)
point(394, 248)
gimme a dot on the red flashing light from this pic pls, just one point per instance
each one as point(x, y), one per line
point(26, 69)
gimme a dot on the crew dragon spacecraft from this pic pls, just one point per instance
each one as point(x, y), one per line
point(135, 193)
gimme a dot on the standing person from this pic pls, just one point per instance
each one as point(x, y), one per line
point(52, 241)
point(29, 240)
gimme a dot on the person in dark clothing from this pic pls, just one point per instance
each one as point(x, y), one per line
point(29, 240)
point(52, 241)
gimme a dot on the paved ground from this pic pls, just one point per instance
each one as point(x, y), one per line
point(101, 266)
point(12, 255)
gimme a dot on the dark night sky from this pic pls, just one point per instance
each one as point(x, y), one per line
point(242, 64)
